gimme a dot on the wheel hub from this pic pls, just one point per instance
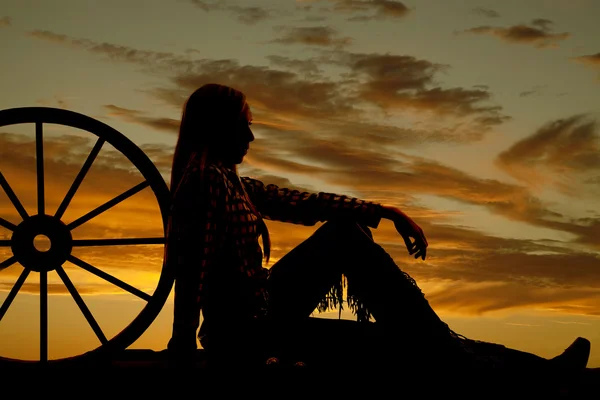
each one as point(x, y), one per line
point(25, 251)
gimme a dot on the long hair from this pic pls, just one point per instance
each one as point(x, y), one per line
point(205, 117)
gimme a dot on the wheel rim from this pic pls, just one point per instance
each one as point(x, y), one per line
point(59, 233)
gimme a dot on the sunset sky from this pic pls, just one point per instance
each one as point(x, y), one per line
point(478, 118)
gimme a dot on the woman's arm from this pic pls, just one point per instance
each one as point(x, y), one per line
point(194, 236)
point(281, 204)
point(286, 205)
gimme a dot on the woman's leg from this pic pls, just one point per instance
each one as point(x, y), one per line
point(300, 279)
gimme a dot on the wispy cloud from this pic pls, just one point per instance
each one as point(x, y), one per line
point(247, 15)
point(397, 82)
point(536, 90)
point(591, 60)
point(537, 33)
point(361, 10)
point(314, 36)
point(5, 21)
point(486, 12)
point(135, 116)
point(571, 323)
point(554, 153)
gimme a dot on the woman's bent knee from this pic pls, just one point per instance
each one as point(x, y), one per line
point(344, 229)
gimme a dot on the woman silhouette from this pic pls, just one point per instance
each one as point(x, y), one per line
point(251, 313)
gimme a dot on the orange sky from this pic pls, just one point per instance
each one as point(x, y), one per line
point(479, 120)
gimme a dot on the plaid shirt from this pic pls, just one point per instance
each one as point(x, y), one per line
point(214, 233)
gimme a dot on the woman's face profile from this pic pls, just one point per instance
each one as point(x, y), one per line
point(238, 138)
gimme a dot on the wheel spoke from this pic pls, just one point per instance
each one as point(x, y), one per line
point(84, 170)
point(13, 292)
point(109, 278)
point(8, 225)
point(116, 242)
point(39, 157)
point(44, 316)
point(111, 203)
point(82, 306)
point(13, 198)
point(7, 263)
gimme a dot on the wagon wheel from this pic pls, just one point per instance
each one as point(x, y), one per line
point(59, 233)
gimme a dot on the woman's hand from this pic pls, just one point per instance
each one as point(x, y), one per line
point(413, 235)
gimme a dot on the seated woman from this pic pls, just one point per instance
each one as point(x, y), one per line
point(213, 245)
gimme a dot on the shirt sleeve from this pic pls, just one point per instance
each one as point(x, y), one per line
point(194, 237)
point(303, 208)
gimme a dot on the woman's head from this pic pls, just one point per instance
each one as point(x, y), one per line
point(215, 123)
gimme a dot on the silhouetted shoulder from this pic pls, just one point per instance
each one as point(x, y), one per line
point(196, 181)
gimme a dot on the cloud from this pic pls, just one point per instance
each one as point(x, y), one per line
point(5, 21)
point(485, 298)
point(537, 33)
point(307, 67)
point(312, 36)
point(592, 59)
point(246, 15)
point(206, 6)
point(554, 153)
point(380, 8)
point(536, 90)
point(135, 116)
point(399, 82)
point(486, 12)
point(251, 15)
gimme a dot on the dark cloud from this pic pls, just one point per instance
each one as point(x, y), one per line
point(312, 36)
point(307, 66)
point(151, 59)
point(5, 21)
point(135, 116)
point(560, 148)
point(486, 12)
point(542, 23)
point(398, 82)
point(205, 5)
point(538, 33)
point(246, 15)
point(251, 15)
point(379, 8)
point(315, 18)
point(536, 90)
point(593, 59)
